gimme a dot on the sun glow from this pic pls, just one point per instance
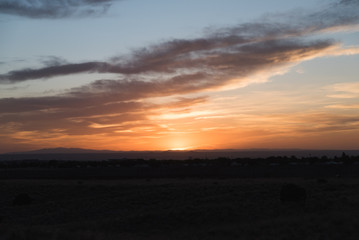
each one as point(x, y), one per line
point(179, 144)
point(179, 149)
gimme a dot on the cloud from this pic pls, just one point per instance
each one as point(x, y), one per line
point(347, 87)
point(343, 90)
point(325, 122)
point(54, 8)
point(342, 106)
point(297, 124)
point(80, 115)
point(53, 61)
point(175, 58)
point(49, 71)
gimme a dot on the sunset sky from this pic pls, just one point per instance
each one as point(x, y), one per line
point(173, 75)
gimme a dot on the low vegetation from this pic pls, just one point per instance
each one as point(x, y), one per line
point(219, 162)
point(179, 209)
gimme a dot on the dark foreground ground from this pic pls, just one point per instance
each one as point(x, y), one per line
point(185, 208)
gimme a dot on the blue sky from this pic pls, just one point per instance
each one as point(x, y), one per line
point(302, 92)
point(127, 25)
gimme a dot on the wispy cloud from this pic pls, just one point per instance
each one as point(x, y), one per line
point(348, 87)
point(54, 8)
point(328, 122)
point(343, 90)
point(343, 106)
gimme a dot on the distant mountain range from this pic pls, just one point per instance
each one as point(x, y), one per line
point(91, 154)
point(63, 151)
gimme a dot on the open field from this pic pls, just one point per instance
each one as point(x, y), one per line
point(185, 208)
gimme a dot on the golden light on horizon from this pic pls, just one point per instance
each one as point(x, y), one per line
point(179, 149)
point(179, 142)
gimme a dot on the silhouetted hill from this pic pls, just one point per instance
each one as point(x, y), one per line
point(63, 151)
point(78, 154)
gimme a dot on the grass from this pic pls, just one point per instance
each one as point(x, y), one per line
point(178, 209)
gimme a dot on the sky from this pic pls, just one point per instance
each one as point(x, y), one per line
point(179, 75)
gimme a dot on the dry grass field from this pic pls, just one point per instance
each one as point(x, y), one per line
point(178, 209)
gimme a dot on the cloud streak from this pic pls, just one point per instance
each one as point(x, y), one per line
point(54, 8)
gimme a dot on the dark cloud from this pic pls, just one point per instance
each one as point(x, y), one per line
point(51, 71)
point(221, 61)
point(100, 92)
point(51, 61)
point(54, 8)
point(349, 2)
point(324, 122)
point(78, 116)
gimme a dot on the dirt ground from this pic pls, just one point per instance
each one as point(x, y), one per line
point(178, 209)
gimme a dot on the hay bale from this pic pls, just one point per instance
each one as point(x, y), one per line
point(22, 199)
point(322, 180)
point(293, 193)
